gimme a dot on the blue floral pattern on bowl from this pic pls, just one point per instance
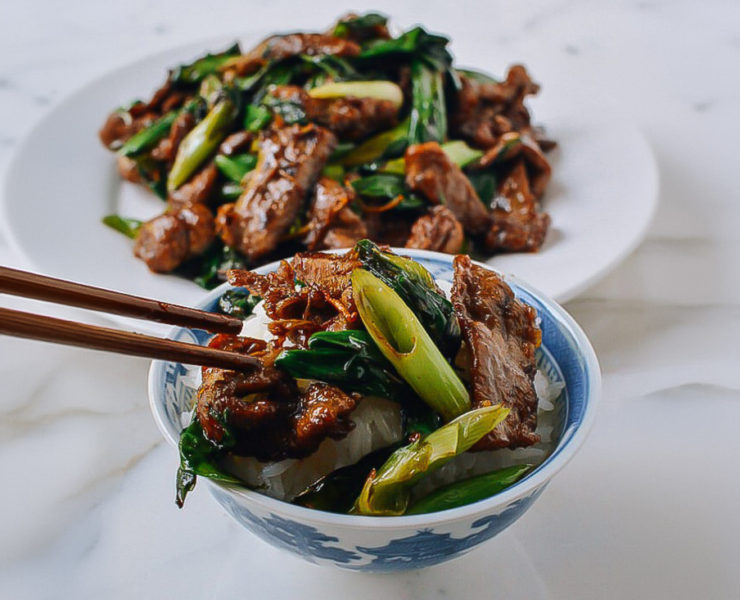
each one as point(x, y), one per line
point(398, 543)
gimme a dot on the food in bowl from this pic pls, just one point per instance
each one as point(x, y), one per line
point(317, 140)
point(376, 394)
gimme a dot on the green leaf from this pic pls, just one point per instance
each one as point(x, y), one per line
point(387, 491)
point(336, 492)
point(360, 26)
point(231, 191)
point(206, 65)
point(199, 456)
point(485, 184)
point(405, 343)
point(415, 42)
point(208, 268)
point(478, 76)
point(349, 359)
point(237, 166)
point(291, 111)
point(256, 117)
point(469, 490)
point(128, 227)
point(146, 138)
point(238, 303)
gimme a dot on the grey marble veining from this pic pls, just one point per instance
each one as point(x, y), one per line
point(647, 509)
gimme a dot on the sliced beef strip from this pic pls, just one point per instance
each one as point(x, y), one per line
point(166, 149)
point(332, 223)
point(323, 301)
point(430, 172)
point(280, 47)
point(517, 224)
point(268, 417)
point(514, 146)
point(500, 336)
point(485, 110)
point(236, 143)
point(121, 124)
point(290, 161)
point(437, 230)
point(166, 241)
point(198, 188)
point(349, 118)
point(128, 169)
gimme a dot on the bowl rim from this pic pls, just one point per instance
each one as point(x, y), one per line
point(523, 488)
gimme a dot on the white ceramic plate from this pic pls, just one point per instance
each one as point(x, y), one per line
point(61, 182)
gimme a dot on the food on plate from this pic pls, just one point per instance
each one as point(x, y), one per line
point(376, 393)
point(313, 141)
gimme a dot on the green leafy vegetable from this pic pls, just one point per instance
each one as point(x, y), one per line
point(199, 456)
point(291, 111)
point(237, 166)
point(415, 42)
point(330, 68)
point(417, 289)
point(349, 359)
point(204, 66)
point(128, 227)
point(387, 490)
point(469, 490)
point(200, 143)
point(238, 303)
point(149, 136)
point(362, 26)
point(428, 120)
point(336, 492)
point(207, 269)
point(256, 117)
point(485, 184)
point(388, 185)
point(457, 151)
point(404, 342)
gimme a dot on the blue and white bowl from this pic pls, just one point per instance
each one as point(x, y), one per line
point(397, 543)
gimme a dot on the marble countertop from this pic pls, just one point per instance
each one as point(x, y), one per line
point(648, 508)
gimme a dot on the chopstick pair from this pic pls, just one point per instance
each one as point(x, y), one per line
point(49, 329)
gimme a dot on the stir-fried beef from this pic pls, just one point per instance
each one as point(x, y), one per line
point(264, 411)
point(128, 169)
point(197, 190)
point(280, 47)
point(122, 124)
point(500, 336)
point(515, 145)
point(332, 223)
point(430, 172)
point(166, 150)
point(236, 143)
point(290, 161)
point(517, 224)
point(437, 230)
point(349, 118)
point(166, 241)
point(486, 110)
point(322, 300)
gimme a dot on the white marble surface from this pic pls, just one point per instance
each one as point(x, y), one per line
point(649, 508)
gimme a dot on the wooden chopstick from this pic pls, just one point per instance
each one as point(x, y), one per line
point(50, 329)
point(40, 287)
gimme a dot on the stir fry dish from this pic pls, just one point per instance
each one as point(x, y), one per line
point(370, 382)
point(312, 141)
